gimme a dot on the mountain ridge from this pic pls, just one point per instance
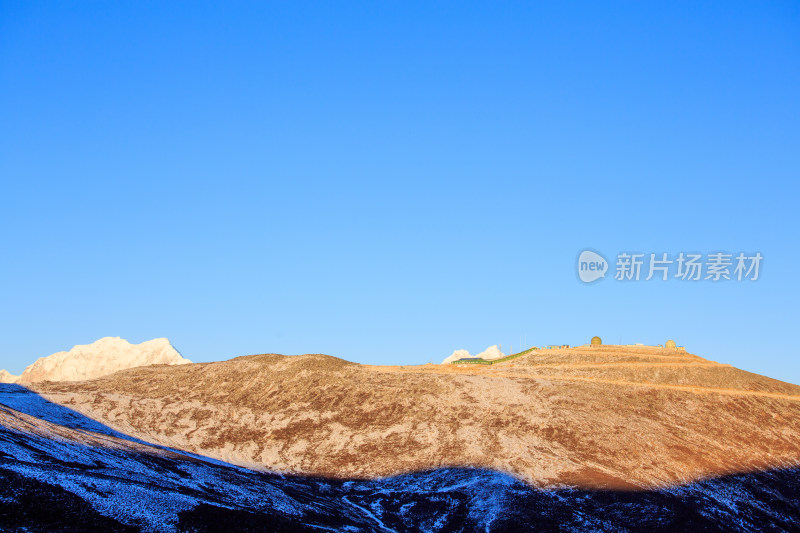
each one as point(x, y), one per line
point(562, 417)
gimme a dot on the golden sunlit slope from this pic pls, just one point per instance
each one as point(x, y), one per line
point(613, 416)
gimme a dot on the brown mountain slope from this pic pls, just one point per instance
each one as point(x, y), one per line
point(602, 416)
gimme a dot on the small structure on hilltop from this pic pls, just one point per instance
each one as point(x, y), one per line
point(596, 341)
point(671, 345)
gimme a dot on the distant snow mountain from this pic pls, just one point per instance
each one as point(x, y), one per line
point(6, 377)
point(456, 355)
point(102, 357)
point(492, 352)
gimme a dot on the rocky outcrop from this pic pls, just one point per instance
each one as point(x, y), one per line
point(102, 357)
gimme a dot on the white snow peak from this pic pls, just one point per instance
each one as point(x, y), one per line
point(102, 357)
point(490, 353)
point(7, 377)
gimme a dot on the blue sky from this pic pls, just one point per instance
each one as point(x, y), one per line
point(387, 182)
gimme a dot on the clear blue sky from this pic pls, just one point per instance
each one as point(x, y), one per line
point(389, 181)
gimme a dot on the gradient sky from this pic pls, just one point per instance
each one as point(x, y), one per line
point(389, 181)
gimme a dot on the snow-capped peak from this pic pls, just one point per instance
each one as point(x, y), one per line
point(102, 357)
point(7, 377)
point(492, 352)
